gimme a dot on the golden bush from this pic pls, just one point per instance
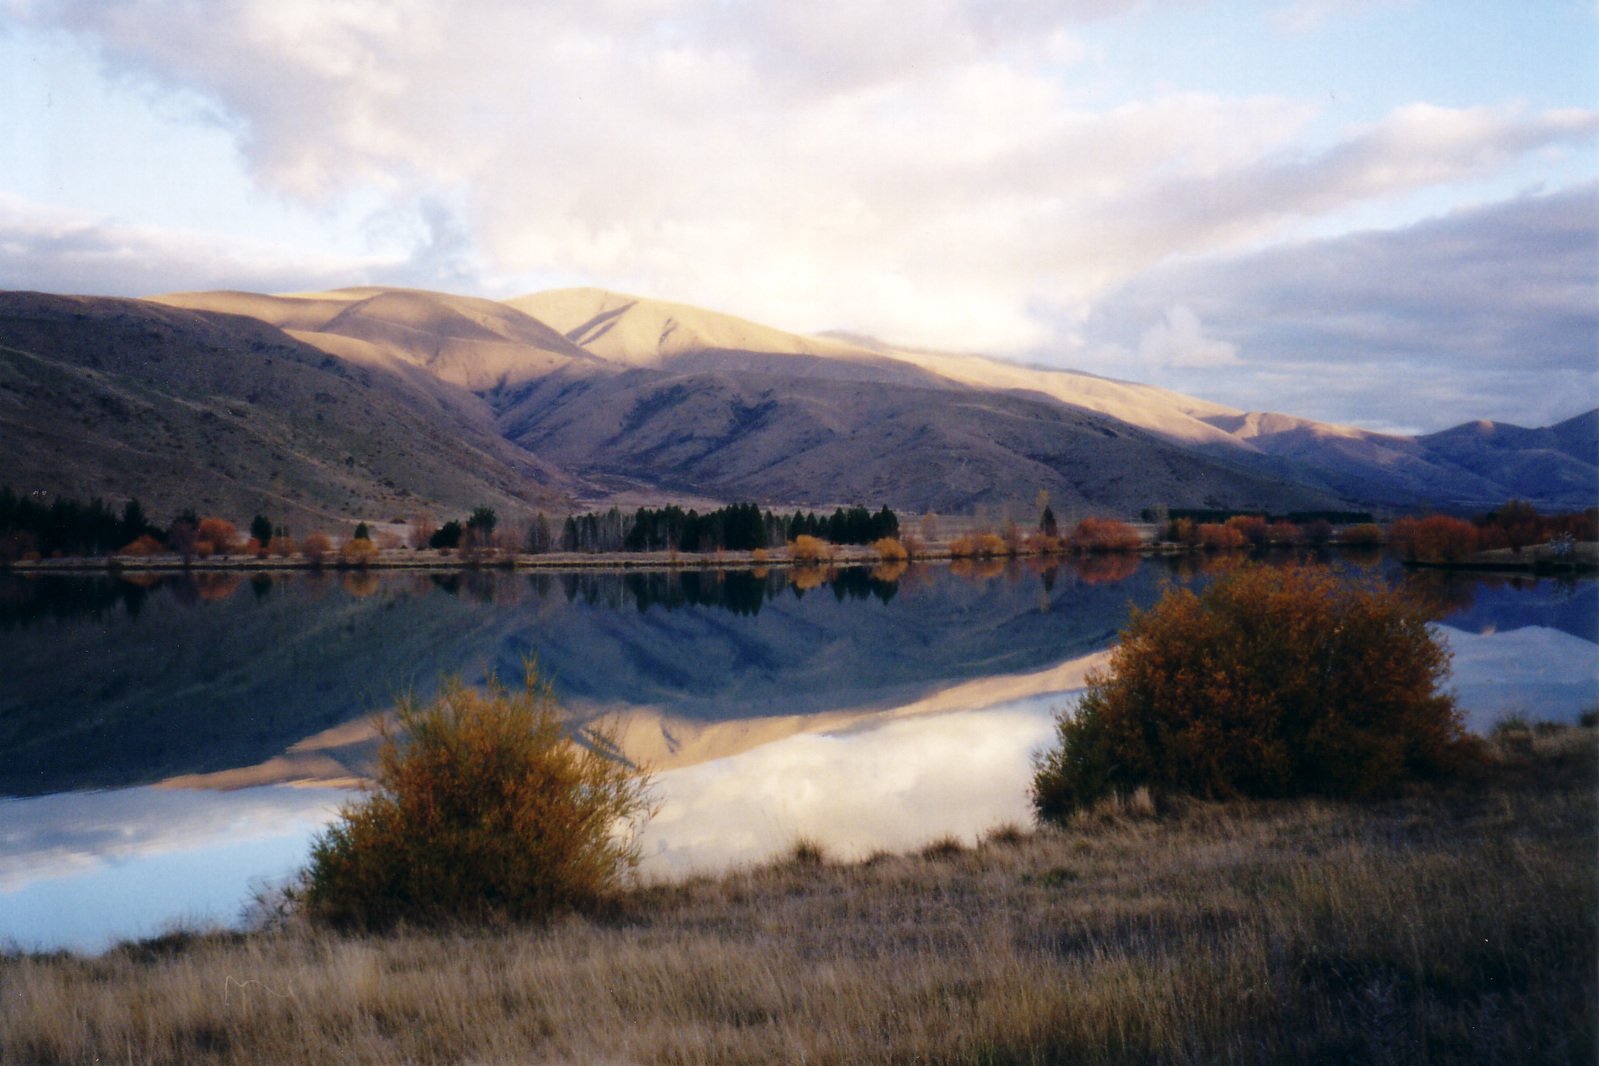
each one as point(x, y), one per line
point(1104, 535)
point(890, 550)
point(810, 550)
point(485, 809)
point(1274, 681)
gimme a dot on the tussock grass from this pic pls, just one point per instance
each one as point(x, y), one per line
point(1453, 923)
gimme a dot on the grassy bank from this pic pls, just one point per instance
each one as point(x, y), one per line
point(1451, 924)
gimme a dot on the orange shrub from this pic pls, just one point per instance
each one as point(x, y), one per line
point(316, 547)
point(1285, 534)
point(1253, 528)
point(1365, 534)
point(145, 545)
point(1214, 536)
point(486, 809)
point(890, 550)
point(978, 546)
point(216, 536)
point(1104, 535)
point(357, 552)
point(1435, 539)
point(809, 550)
point(1275, 681)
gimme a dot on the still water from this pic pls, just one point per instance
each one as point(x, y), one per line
point(168, 743)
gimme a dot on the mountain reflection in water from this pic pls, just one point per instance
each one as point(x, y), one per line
point(864, 709)
point(114, 683)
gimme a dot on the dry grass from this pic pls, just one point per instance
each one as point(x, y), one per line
point(1448, 925)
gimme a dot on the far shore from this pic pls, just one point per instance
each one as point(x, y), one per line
point(1584, 559)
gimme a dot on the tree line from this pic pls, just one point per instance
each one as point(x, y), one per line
point(737, 527)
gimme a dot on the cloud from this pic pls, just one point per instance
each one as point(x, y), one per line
point(1488, 312)
point(71, 833)
point(1179, 340)
point(54, 250)
point(934, 180)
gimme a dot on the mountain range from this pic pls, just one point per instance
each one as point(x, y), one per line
point(376, 402)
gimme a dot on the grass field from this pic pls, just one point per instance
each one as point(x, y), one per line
point(1449, 924)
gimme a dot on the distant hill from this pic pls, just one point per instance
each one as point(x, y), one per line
point(372, 402)
point(229, 415)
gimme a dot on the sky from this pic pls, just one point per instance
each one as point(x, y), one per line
point(1377, 212)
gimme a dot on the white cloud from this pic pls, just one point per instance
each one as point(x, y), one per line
point(1179, 340)
point(1486, 313)
point(934, 180)
point(53, 250)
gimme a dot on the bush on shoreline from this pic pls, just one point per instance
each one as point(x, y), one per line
point(1275, 681)
point(485, 809)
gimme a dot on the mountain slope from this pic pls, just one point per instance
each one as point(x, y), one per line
point(1474, 466)
point(455, 400)
point(115, 398)
point(469, 342)
point(817, 440)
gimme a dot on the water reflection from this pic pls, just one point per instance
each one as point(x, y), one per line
point(193, 676)
point(865, 708)
point(83, 869)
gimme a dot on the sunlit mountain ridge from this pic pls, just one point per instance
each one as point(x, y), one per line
point(377, 402)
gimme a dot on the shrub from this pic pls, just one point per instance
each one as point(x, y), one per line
point(809, 549)
point(486, 810)
point(890, 550)
point(358, 551)
point(1435, 539)
point(1318, 532)
point(1364, 534)
point(216, 536)
point(1214, 536)
point(1254, 529)
point(1104, 535)
point(1273, 682)
point(1285, 534)
point(144, 545)
point(315, 547)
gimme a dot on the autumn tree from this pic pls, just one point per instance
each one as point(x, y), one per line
point(1434, 539)
point(1275, 681)
point(316, 547)
point(1253, 528)
point(215, 536)
point(1104, 535)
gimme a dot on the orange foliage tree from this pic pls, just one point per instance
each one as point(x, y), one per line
point(1275, 681)
point(1254, 529)
point(1435, 539)
point(1104, 535)
point(215, 536)
point(487, 808)
point(1285, 534)
point(1362, 534)
point(315, 548)
point(1215, 536)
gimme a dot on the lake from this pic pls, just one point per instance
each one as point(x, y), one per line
point(168, 742)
